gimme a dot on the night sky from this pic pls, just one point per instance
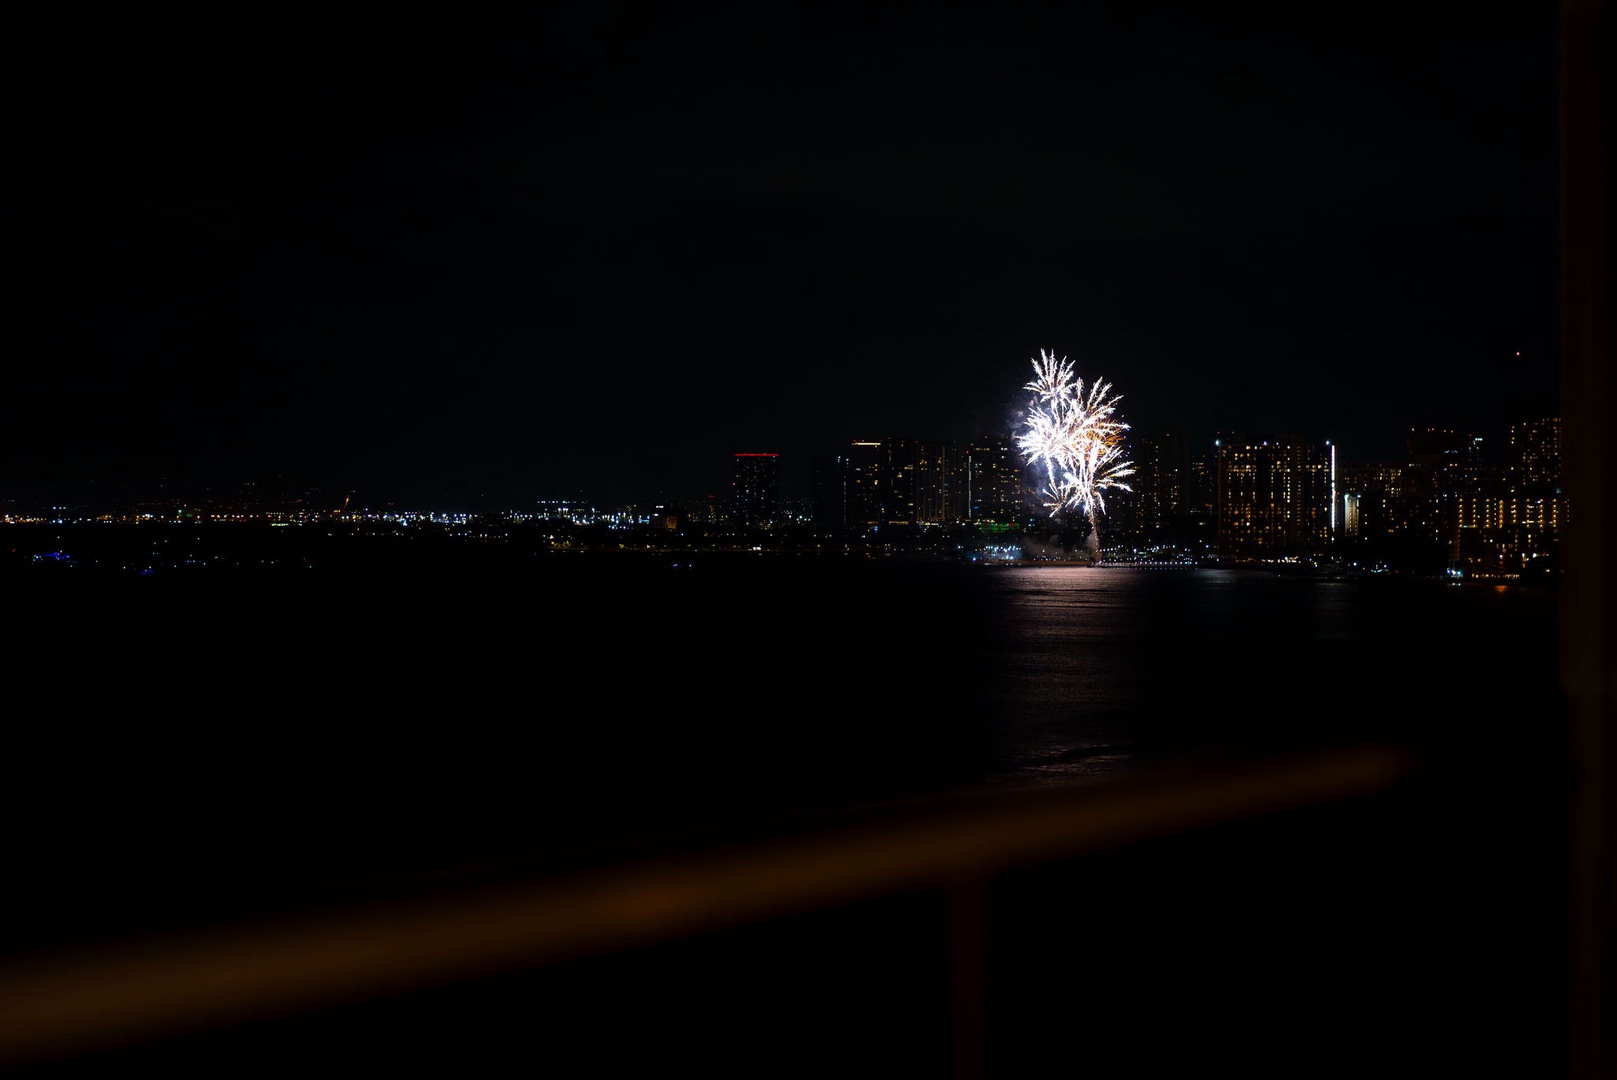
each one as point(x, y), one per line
point(594, 250)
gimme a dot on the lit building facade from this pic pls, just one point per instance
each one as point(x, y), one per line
point(920, 482)
point(864, 484)
point(1276, 496)
point(1535, 450)
point(1448, 502)
point(872, 483)
point(997, 491)
point(755, 490)
point(909, 474)
point(828, 492)
point(1161, 484)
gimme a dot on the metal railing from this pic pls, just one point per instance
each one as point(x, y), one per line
point(166, 988)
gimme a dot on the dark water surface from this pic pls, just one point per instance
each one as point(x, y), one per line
point(299, 727)
point(186, 749)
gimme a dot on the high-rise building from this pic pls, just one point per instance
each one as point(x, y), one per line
point(956, 484)
point(1535, 456)
point(873, 483)
point(865, 482)
point(755, 491)
point(1201, 493)
point(1161, 484)
point(1442, 462)
point(918, 489)
point(1276, 496)
point(828, 482)
point(1436, 446)
point(996, 488)
point(904, 482)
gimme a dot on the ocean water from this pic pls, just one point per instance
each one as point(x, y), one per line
point(411, 712)
point(1095, 669)
point(190, 749)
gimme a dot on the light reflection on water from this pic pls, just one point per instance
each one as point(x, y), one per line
point(1092, 670)
point(619, 688)
point(303, 729)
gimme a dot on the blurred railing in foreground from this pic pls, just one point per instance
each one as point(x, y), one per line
point(163, 989)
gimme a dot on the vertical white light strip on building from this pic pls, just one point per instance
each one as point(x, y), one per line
point(1333, 487)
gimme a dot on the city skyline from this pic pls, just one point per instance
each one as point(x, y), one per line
point(1494, 452)
point(1260, 500)
point(1495, 449)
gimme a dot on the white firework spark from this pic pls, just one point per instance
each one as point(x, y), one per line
point(1075, 437)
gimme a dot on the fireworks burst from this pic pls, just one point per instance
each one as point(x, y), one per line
point(1075, 438)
